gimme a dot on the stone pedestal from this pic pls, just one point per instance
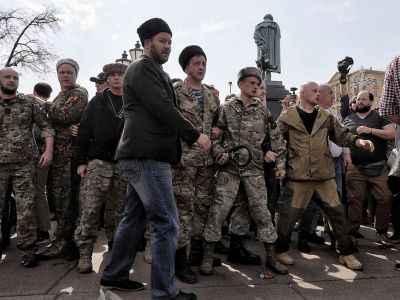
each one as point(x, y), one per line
point(275, 92)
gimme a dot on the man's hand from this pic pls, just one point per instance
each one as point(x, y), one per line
point(81, 170)
point(365, 144)
point(286, 102)
point(216, 133)
point(270, 156)
point(364, 129)
point(74, 130)
point(347, 161)
point(46, 158)
point(204, 142)
point(222, 158)
point(280, 174)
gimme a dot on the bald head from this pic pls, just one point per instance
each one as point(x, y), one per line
point(327, 97)
point(8, 70)
point(309, 94)
point(9, 82)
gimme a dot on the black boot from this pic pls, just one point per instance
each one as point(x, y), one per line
point(316, 239)
point(197, 251)
point(182, 267)
point(29, 258)
point(302, 243)
point(220, 248)
point(333, 240)
point(239, 254)
point(72, 252)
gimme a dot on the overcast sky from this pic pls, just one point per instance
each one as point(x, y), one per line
point(315, 35)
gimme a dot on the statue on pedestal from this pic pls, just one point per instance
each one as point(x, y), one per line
point(267, 36)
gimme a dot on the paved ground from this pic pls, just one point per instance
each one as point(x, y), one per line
point(314, 276)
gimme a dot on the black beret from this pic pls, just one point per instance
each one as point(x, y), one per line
point(248, 72)
point(188, 53)
point(151, 27)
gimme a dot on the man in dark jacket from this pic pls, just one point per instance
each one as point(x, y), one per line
point(102, 181)
point(149, 144)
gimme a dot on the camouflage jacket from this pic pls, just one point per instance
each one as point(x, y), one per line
point(202, 119)
point(63, 112)
point(249, 126)
point(17, 117)
point(309, 156)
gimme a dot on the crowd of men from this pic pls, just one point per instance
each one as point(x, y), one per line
point(170, 160)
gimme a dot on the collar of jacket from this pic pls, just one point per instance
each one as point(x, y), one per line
point(292, 118)
point(186, 89)
point(18, 96)
point(238, 104)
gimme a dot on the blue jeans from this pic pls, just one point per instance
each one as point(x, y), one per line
point(149, 197)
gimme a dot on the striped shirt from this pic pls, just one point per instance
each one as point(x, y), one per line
point(390, 100)
point(198, 94)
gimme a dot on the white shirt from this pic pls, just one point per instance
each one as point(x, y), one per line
point(336, 150)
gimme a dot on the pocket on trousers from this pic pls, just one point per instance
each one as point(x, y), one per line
point(130, 170)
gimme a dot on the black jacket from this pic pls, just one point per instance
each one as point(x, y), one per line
point(99, 131)
point(153, 123)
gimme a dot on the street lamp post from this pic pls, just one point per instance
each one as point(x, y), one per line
point(136, 52)
point(230, 87)
point(124, 59)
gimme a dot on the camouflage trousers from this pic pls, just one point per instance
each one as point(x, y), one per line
point(41, 203)
point(192, 188)
point(102, 183)
point(22, 177)
point(64, 199)
point(226, 187)
point(240, 219)
point(294, 200)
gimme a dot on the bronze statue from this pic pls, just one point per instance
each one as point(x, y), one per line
point(267, 36)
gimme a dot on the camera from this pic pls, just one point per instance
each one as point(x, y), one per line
point(344, 67)
point(293, 96)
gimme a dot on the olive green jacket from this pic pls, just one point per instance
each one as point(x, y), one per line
point(308, 156)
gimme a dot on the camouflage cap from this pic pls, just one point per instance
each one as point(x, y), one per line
point(114, 68)
point(248, 72)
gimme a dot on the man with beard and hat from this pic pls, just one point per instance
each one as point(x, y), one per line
point(149, 144)
point(192, 178)
point(18, 153)
point(102, 181)
point(367, 123)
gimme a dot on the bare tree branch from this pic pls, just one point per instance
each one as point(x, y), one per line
point(21, 34)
